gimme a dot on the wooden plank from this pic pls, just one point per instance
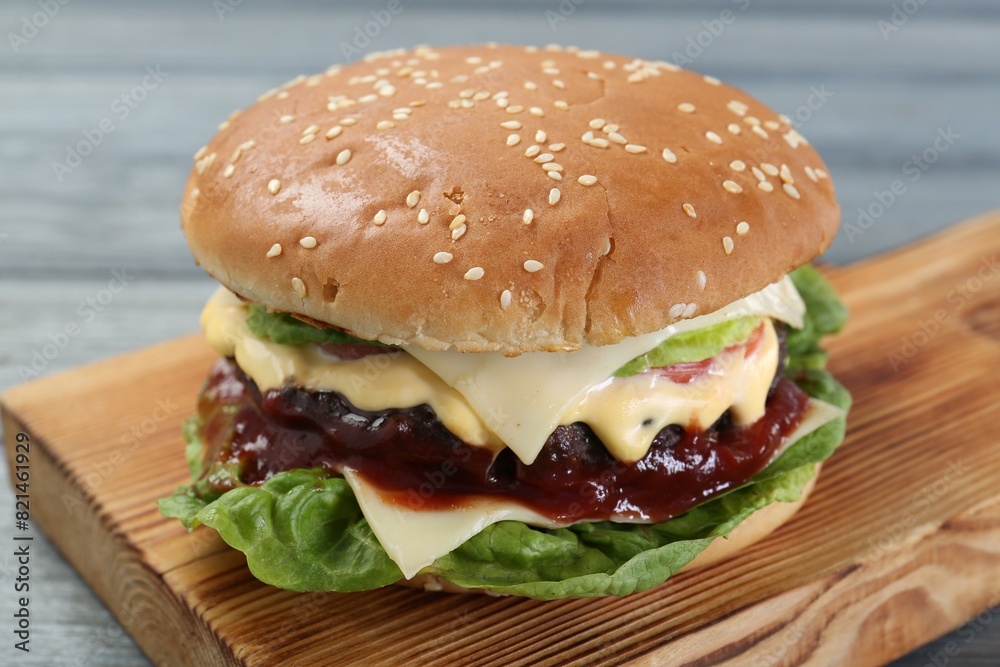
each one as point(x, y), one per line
point(899, 543)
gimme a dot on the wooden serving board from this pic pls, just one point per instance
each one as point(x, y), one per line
point(900, 542)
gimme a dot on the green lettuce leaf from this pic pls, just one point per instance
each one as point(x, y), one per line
point(825, 314)
point(303, 531)
point(284, 329)
point(693, 345)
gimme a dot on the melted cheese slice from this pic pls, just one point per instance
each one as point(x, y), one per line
point(494, 401)
point(522, 399)
point(416, 538)
point(376, 382)
point(627, 413)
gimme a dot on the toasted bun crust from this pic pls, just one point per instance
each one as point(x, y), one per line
point(755, 528)
point(619, 257)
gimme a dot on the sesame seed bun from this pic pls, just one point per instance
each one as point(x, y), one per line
point(752, 530)
point(505, 198)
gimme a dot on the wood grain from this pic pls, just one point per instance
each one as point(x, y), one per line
point(900, 542)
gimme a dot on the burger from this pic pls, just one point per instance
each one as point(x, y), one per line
point(516, 320)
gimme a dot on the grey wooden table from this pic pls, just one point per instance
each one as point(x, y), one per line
point(873, 86)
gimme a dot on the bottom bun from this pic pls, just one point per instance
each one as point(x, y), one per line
point(756, 527)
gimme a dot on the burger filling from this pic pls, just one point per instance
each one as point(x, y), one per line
point(437, 445)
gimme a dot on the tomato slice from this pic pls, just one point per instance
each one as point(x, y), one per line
point(689, 371)
point(351, 351)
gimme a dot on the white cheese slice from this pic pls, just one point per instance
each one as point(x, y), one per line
point(415, 538)
point(522, 399)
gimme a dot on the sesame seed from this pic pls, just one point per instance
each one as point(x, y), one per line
point(737, 165)
point(562, 105)
point(347, 122)
point(554, 195)
point(273, 186)
point(458, 232)
point(702, 279)
point(312, 129)
point(555, 148)
point(505, 298)
point(442, 257)
point(475, 273)
point(299, 287)
point(738, 108)
point(600, 143)
point(742, 228)
point(635, 148)
point(528, 216)
point(727, 244)
point(283, 95)
point(597, 123)
point(690, 310)
point(713, 137)
point(786, 174)
point(554, 175)
point(229, 170)
point(423, 217)
point(366, 99)
point(711, 80)
point(307, 139)
point(732, 186)
point(513, 139)
point(559, 83)
point(537, 111)
point(772, 125)
point(343, 156)
point(275, 250)
point(540, 136)
point(610, 127)
point(200, 153)
point(617, 138)
point(677, 309)
point(759, 131)
point(385, 125)
point(686, 107)
point(380, 218)
point(811, 174)
point(468, 92)
point(457, 221)
point(511, 125)
point(545, 157)
point(769, 169)
point(765, 187)
point(552, 166)
point(587, 137)
point(413, 198)
point(530, 85)
point(503, 102)
point(689, 210)
point(204, 163)
point(758, 174)
point(532, 151)
point(820, 172)
point(334, 132)
point(533, 265)
point(669, 155)
point(515, 108)
point(285, 120)
point(734, 128)
point(790, 190)
point(752, 120)
point(587, 179)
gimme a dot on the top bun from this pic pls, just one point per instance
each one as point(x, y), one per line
point(505, 198)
